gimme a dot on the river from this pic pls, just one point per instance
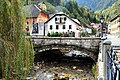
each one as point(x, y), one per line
point(54, 65)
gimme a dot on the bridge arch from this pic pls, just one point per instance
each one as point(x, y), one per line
point(90, 46)
point(67, 48)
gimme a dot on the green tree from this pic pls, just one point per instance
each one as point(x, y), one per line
point(16, 53)
point(94, 31)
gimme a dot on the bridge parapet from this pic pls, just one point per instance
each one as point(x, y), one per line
point(86, 42)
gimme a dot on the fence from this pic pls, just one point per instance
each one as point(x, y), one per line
point(113, 67)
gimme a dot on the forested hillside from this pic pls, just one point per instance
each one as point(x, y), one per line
point(71, 8)
point(96, 4)
point(112, 11)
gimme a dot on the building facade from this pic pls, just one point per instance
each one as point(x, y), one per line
point(34, 14)
point(62, 23)
point(37, 29)
point(115, 25)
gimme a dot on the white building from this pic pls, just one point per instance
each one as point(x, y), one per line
point(60, 22)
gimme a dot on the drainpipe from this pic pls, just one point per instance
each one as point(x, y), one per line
point(44, 29)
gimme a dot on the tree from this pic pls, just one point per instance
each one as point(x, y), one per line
point(94, 31)
point(15, 51)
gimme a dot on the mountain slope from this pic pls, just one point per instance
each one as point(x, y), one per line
point(96, 4)
point(71, 8)
point(113, 10)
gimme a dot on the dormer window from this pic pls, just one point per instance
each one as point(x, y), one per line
point(60, 20)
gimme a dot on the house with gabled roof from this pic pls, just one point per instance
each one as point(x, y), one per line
point(34, 14)
point(62, 23)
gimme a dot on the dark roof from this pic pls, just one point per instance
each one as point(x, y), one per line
point(87, 26)
point(32, 10)
point(61, 15)
point(115, 18)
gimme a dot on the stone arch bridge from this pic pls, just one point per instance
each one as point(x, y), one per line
point(88, 45)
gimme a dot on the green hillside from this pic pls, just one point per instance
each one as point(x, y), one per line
point(71, 8)
point(96, 4)
point(112, 11)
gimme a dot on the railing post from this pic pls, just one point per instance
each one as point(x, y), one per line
point(102, 59)
point(106, 47)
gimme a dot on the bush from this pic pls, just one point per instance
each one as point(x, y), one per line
point(48, 34)
point(54, 34)
point(94, 70)
point(82, 34)
point(94, 31)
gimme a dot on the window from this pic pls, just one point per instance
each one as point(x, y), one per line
point(63, 26)
point(55, 19)
point(50, 27)
point(70, 26)
point(65, 18)
point(57, 27)
point(60, 20)
point(35, 28)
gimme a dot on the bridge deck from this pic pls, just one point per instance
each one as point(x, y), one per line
point(68, 38)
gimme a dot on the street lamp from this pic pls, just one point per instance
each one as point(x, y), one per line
point(102, 21)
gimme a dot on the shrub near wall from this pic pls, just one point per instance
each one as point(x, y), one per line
point(54, 34)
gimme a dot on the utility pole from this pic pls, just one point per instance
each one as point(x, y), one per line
point(102, 21)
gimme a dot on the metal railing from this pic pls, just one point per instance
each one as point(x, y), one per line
point(113, 67)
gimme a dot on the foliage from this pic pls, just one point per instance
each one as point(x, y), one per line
point(54, 34)
point(83, 14)
point(84, 34)
point(96, 4)
point(16, 51)
point(0, 70)
point(48, 34)
point(94, 31)
point(54, 2)
point(112, 10)
point(50, 8)
point(71, 8)
point(94, 70)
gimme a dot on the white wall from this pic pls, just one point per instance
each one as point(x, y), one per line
point(67, 23)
